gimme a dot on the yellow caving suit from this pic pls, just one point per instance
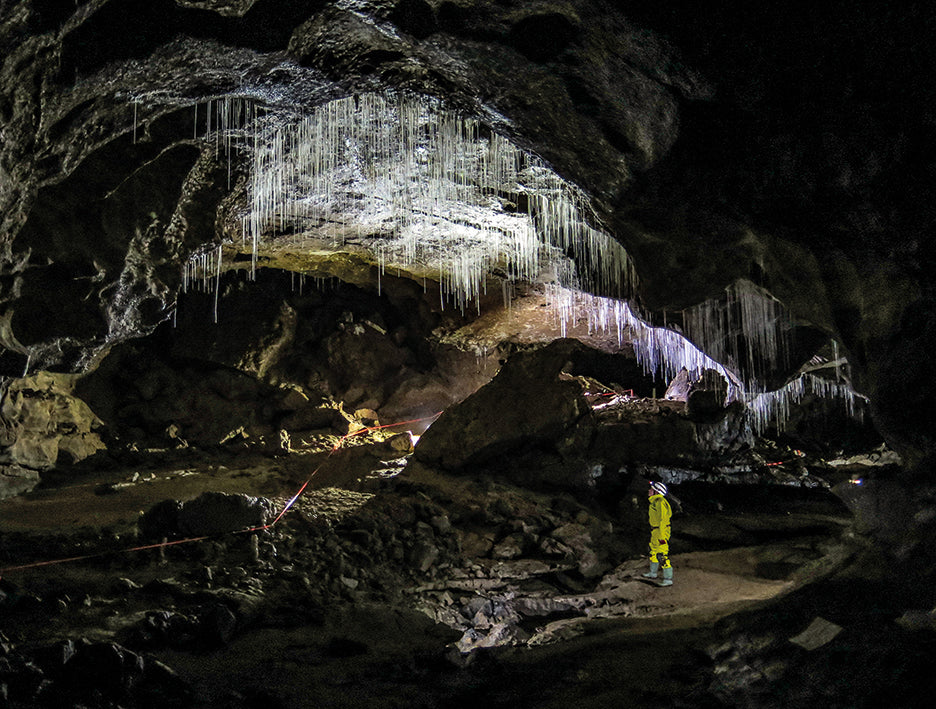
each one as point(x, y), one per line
point(660, 514)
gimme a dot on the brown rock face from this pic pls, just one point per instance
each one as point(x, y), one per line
point(526, 404)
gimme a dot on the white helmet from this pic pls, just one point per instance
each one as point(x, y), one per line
point(659, 488)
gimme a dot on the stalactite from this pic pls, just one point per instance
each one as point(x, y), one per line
point(431, 190)
point(774, 406)
point(217, 283)
point(748, 327)
point(433, 186)
point(203, 271)
point(663, 352)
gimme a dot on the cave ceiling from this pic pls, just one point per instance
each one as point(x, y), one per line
point(716, 144)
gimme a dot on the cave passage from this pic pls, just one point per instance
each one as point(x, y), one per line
point(232, 521)
point(340, 340)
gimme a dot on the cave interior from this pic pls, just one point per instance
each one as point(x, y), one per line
point(340, 339)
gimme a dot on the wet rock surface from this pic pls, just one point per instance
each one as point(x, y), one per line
point(793, 159)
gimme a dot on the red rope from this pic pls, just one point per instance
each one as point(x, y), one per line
point(336, 447)
point(189, 540)
point(629, 393)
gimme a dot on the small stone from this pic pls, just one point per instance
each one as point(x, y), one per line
point(125, 584)
point(422, 556)
point(441, 523)
point(509, 548)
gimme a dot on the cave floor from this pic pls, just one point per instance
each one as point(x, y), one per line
point(625, 639)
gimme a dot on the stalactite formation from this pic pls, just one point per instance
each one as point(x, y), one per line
point(663, 352)
point(437, 191)
point(428, 190)
point(773, 407)
point(748, 330)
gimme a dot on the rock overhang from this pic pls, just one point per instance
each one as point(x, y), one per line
point(614, 107)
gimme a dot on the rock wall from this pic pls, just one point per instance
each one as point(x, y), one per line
point(44, 423)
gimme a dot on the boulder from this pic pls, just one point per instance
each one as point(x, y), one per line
point(679, 387)
point(706, 401)
point(208, 514)
point(662, 433)
point(218, 512)
point(43, 419)
point(15, 480)
point(526, 405)
point(704, 393)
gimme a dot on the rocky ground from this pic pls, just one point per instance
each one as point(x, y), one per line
point(387, 583)
point(333, 560)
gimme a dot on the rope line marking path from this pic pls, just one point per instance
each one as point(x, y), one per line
point(189, 540)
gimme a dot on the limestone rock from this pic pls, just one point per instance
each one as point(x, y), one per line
point(704, 394)
point(43, 419)
point(15, 480)
point(526, 404)
point(579, 540)
point(680, 386)
point(208, 514)
point(400, 444)
point(216, 512)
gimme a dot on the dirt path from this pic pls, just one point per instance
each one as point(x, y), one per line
point(114, 498)
point(703, 581)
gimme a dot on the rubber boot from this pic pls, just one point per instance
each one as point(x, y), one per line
point(652, 573)
point(667, 577)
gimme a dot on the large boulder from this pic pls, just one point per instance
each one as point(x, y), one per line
point(208, 514)
point(526, 405)
point(43, 421)
point(658, 432)
point(219, 512)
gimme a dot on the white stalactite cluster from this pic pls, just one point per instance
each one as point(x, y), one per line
point(435, 190)
point(774, 406)
point(664, 352)
point(429, 190)
point(203, 272)
point(748, 327)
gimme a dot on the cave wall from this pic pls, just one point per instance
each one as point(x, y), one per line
point(717, 142)
point(257, 361)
